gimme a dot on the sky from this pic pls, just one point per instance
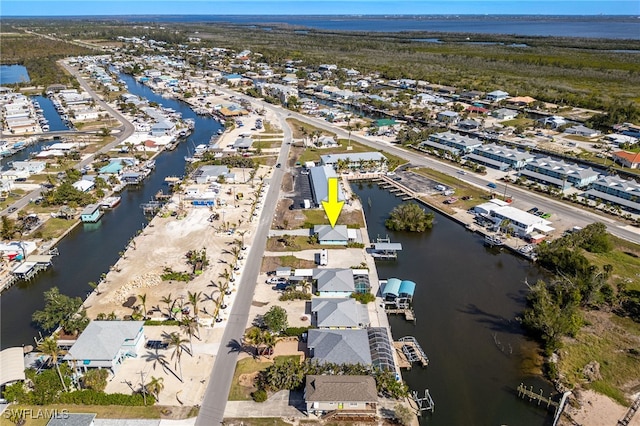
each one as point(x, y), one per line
point(318, 7)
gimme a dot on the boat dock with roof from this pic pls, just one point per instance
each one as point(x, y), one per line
point(383, 248)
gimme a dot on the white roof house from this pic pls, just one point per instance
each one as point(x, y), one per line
point(83, 185)
point(521, 222)
point(11, 365)
point(105, 344)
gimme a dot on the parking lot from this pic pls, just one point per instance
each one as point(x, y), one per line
point(418, 183)
point(301, 188)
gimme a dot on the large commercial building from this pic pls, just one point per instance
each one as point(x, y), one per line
point(452, 142)
point(521, 222)
point(500, 157)
point(558, 173)
point(613, 189)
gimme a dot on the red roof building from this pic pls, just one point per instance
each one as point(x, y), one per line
point(627, 159)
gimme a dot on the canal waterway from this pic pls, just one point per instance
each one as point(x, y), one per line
point(50, 113)
point(466, 301)
point(89, 250)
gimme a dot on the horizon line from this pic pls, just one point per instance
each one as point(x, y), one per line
point(322, 14)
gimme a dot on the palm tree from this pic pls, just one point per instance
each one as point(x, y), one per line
point(143, 302)
point(190, 327)
point(242, 234)
point(224, 288)
point(194, 299)
point(254, 337)
point(155, 386)
point(49, 346)
point(177, 343)
point(170, 302)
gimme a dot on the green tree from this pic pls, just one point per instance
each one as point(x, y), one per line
point(95, 379)
point(49, 347)
point(155, 386)
point(275, 319)
point(409, 217)
point(58, 310)
point(403, 414)
point(8, 228)
point(177, 343)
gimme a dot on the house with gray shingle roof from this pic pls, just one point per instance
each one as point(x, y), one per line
point(344, 393)
point(332, 282)
point(105, 344)
point(333, 312)
point(338, 235)
point(339, 346)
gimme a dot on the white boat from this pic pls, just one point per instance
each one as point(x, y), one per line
point(493, 241)
point(110, 202)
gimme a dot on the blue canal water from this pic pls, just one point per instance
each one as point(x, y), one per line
point(50, 113)
point(466, 301)
point(89, 250)
point(10, 74)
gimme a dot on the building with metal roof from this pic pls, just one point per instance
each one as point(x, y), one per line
point(11, 365)
point(395, 288)
point(499, 157)
point(460, 143)
point(338, 312)
point(320, 184)
point(612, 189)
point(354, 159)
point(105, 344)
point(521, 222)
point(558, 173)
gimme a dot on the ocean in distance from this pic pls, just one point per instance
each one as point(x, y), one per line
point(604, 27)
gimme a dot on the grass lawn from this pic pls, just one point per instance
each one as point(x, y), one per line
point(525, 122)
point(353, 219)
point(249, 366)
point(54, 227)
point(609, 340)
point(625, 259)
point(266, 160)
point(298, 243)
point(268, 128)
point(297, 126)
point(102, 411)
point(270, 263)
point(14, 196)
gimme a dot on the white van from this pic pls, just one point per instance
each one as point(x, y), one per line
point(324, 257)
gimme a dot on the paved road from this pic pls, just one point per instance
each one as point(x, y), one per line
point(125, 130)
point(570, 214)
point(215, 397)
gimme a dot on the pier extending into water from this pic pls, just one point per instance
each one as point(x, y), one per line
point(409, 351)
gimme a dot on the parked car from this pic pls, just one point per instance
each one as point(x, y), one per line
point(276, 280)
point(156, 344)
point(532, 210)
point(12, 209)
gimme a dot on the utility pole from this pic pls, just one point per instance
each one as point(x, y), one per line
point(144, 388)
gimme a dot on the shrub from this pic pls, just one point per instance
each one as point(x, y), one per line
point(92, 397)
point(363, 298)
point(259, 395)
point(294, 295)
point(160, 322)
point(295, 331)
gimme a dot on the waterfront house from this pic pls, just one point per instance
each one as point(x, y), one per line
point(520, 222)
point(91, 213)
point(328, 235)
point(209, 174)
point(338, 312)
point(615, 190)
point(106, 344)
point(162, 128)
point(32, 167)
point(242, 144)
point(333, 282)
point(499, 157)
point(83, 185)
point(11, 366)
point(339, 346)
point(357, 394)
point(627, 159)
point(553, 121)
point(497, 96)
point(558, 173)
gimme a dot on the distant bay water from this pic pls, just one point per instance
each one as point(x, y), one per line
point(605, 27)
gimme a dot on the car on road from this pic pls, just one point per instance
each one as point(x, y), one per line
point(462, 172)
point(12, 209)
point(492, 185)
point(278, 165)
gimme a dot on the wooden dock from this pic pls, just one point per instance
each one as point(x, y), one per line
point(408, 313)
point(524, 392)
point(409, 352)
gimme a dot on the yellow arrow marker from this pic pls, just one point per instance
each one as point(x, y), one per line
point(332, 207)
